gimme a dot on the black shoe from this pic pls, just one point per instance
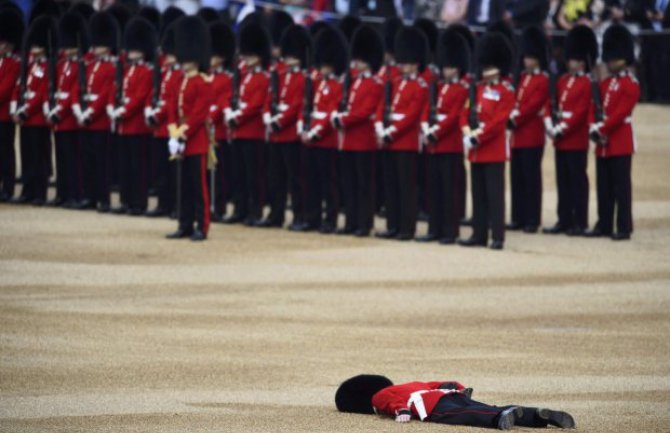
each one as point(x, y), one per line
point(268, 223)
point(576, 231)
point(530, 229)
point(37, 202)
point(70, 204)
point(362, 233)
point(216, 217)
point(56, 202)
point(136, 211)
point(234, 219)
point(103, 207)
point(620, 236)
point(508, 417)
point(180, 234)
point(198, 235)
point(386, 234)
point(22, 199)
point(597, 232)
point(430, 237)
point(554, 230)
point(327, 228)
point(556, 418)
point(86, 204)
point(157, 212)
point(173, 215)
point(514, 226)
point(252, 222)
point(466, 222)
point(472, 242)
point(497, 245)
point(422, 216)
point(346, 231)
point(447, 241)
point(121, 210)
point(296, 226)
point(404, 236)
point(305, 227)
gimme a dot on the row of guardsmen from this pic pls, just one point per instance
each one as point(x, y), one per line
point(336, 117)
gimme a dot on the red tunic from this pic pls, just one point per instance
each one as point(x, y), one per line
point(494, 105)
point(35, 96)
point(10, 68)
point(419, 397)
point(531, 98)
point(327, 98)
point(573, 92)
point(291, 98)
point(450, 102)
point(389, 71)
point(67, 93)
point(365, 96)
point(222, 91)
point(409, 99)
point(171, 78)
point(253, 91)
point(620, 93)
point(99, 85)
point(194, 98)
point(137, 86)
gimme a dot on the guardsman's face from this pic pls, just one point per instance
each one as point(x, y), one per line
point(361, 65)
point(135, 55)
point(490, 73)
point(449, 73)
point(531, 63)
point(409, 68)
point(37, 51)
point(291, 61)
point(251, 61)
point(100, 51)
point(575, 66)
point(170, 59)
point(190, 68)
point(6, 47)
point(215, 62)
point(326, 70)
point(615, 66)
point(70, 52)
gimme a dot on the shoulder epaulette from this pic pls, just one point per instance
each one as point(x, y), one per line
point(421, 82)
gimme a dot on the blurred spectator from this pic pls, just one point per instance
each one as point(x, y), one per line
point(573, 12)
point(430, 9)
point(654, 56)
point(454, 11)
point(482, 12)
point(529, 12)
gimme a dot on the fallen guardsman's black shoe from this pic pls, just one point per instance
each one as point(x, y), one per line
point(508, 417)
point(557, 418)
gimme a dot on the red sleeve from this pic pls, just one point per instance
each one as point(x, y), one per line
point(324, 125)
point(171, 108)
point(256, 100)
point(138, 101)
point(623, 108)
point(8, 81)
point(497, 124)
point(413, 115)
point(452, 120)
point(290, 116)
point(463, 120)
point(71, 87)
point(106, 92)
point(581, 110)
point(536, 100)
point(200, 113)
point(362, 112)
point(392, 399)
point(34, 105)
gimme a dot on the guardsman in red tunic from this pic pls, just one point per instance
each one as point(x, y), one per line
point(31, 101)
point(157, 118)
point(73, 40)
point(485, 140)
point(356, 123)
point(280, 118)
point(90, 109)
point(614, 137)
point(246, 122)
point(223, 56)
point(443, 141)
point(443, 402)
point(319, 135)
point(11, 32)
point(398, 131)
point(135, 134)
point(528, 134)
point(188, 126)
point(569, 129)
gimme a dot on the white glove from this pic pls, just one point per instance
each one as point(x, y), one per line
point(118, 113)
point(298, 126)
point(335, 116)
point(595, 128)
point(467, 143)
point(403, 416)
point(148, 112)
point(181, 146)
point(560, 128)
point(514, 114)
point(425, 129)
point(12, 108)
point(173, 146)
point(230, 114)
point(110, 111)
point(267, 119)
point(45, 109)
point(379, 130)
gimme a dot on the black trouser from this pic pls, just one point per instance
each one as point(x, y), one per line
point(164, 176)
point(526, 175)
point(194, 194)
point(572, 184)
point(247, 177)
point(7, 158)
point(488, 200)
point(220, 183)
point(68, 180)
point(446, 173)
point(35, 161)
point(400, 191)
point(95, 165)
point(321, 186)
point(133, 180)
point(458, 409)
point(614, 190)
point(358, 186)
point(115, 158)
point(421, 176)
point(285, 177)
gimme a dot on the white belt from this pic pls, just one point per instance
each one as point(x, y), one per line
point(319, 115)
point(395, 117)
point(29, 94)
point(91, 97)
point(566, 114)
point(62, 95)
point(628, 119)
point(416, 400)
point(282, 107)
point(441, 117)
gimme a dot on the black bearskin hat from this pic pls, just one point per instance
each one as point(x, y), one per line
point(104, 30)
point(72, 32)
point(348, 25)
point(494, 50)
point(152, 15)
point(223, 41)
point(454, 50)
point(367, 45)
point(316, 27)
point(279, 22)
point(618, 44)
point(430, 30)
point(132, 5)
point(255, 40)
point(330, 48)
point(121, 14)
point(170, 15)
point(168, 43)
point(581, 44)
point(296, 42)
point(11, 27)
point(42, 33)
point(208, 14)
point(355, 394)
point(504, 28)
point(411, 46)
point(253, 17)
point(44, 7)
point(391, 27)
point(192, 41)
point(534, 44)
point(84, 9)
point(464, 31)
point(9, 4)
point(140, 35)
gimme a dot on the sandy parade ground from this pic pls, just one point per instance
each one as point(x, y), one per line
point(105, 326)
